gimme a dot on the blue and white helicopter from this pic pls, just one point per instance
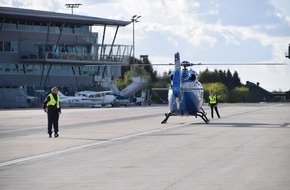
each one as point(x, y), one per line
point(185, 96)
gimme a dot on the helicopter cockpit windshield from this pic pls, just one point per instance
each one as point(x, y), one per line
point(189, 80)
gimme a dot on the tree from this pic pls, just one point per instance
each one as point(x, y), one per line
point(229, 82)
point(236, 79)
point(163, 81)
point(138, 69)
point(239, 94)
point(149, 69)
point(218, 88)
point(208, 76)
point(226, 77)
point(223, 76)
point(126, 80)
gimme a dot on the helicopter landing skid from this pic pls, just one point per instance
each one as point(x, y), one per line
point(167, 115)
point(203, 116)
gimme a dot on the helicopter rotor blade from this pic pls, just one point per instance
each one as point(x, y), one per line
point(226, 64)
point(247, 64)
point(191, 64)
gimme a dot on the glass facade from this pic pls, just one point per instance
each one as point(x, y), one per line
point(8, 46)
point(43, 27)
point(60, 49)
point(38, 54)
point(55, 70)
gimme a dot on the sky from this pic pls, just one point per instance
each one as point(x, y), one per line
point(202, 31)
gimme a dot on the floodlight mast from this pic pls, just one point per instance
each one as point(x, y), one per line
point(134, 20)
point(72, 6)
point(288, 56)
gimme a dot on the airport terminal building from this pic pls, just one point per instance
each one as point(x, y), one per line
point(40, 49)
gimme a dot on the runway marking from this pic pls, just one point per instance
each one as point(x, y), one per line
point(70, 149)
point(68, 124)
point(24, 129)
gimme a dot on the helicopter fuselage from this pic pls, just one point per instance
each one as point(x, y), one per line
point(185, 96)
point(186, 93)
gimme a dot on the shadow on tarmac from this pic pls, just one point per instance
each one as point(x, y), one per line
point(251, 125)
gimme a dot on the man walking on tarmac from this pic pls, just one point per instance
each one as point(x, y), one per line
point(51, 106)
point(213, 104)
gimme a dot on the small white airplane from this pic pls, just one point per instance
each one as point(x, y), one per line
point(103, 98)
point(87, 99)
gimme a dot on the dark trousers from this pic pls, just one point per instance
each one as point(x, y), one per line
point(52, 117)
point(216, 110)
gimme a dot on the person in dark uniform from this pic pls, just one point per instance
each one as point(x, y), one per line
point(52, 107)
point(213, 102)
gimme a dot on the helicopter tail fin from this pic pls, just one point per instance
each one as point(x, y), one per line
point(178, 66)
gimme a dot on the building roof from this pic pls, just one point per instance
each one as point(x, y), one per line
point(46, 16)
point(257, 86)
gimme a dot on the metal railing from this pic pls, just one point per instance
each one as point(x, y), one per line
point(105, 53)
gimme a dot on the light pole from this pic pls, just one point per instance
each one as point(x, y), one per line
point(134, 20)
point(72, 6)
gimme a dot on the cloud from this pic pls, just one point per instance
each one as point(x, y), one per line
point(203, 31)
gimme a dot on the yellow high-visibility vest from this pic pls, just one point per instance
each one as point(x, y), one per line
point(52, 101)
point(212, 99)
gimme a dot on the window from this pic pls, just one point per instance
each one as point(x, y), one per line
point(65, 70)
point(36, 27)
point(7, 46)
point(29, 69)
point(25, 26)
point(1, 68)
point(10, 25)
point(81, 29)
point(37, 69)
point(67, 29)
point(54, 29)
point(21, 68)
point(1, 46)
point(21, 25)
point(55, 70)
point(7, 68)
point(39, 50)
point(14, 46)
point(14, 68)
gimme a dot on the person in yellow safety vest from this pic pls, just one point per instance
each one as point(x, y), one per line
point(213, 102)
point(52, 107)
